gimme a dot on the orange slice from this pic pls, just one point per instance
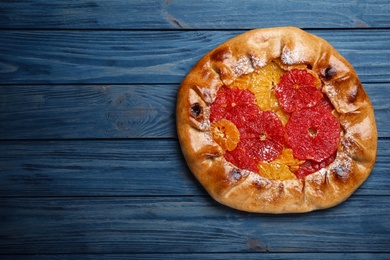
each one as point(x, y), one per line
point(262, 83)
point(282, 168)
point(287, 158)
point(275, 171)
point(225, 134)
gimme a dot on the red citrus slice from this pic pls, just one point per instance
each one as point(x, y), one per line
point(263, 137)
point(241, 159)
point(325, 102)
point(262, 83)
point(297, 89)
point(309, 166)
point(236, 105)
point(313, 133)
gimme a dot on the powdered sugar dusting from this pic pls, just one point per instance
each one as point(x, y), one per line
point(354, 132)
point(323, 171)
point(290, 57)
point(242, 66)
point(257, 62)
point(348, 143)
point(342, 165)
point(329, 91)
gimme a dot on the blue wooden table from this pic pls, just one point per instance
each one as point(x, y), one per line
point(90, 165)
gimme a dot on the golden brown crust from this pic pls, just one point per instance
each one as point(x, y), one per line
point(248, 191)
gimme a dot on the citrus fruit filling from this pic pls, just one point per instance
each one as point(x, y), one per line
point(313, 133)
point(276, 122)
point(226, 134)
point(297, 89)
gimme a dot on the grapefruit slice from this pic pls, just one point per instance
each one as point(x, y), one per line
point(297, 89)
point(313, 133)
point(263, 137)
point(236, 105)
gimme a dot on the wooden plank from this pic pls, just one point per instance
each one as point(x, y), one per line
point(120, 168)
point(193, 14)
point(112, 111)
point(97, 111)
point(214, 256)
point(187, 224)
point(122, 57)
point(95, 168)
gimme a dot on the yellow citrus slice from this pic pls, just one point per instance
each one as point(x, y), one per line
point(287, 158)
point(262, 82)
point(283, 116)
point(282, 168)
point(225, 134)
point(275, 171)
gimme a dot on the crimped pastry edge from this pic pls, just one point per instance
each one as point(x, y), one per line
point(248, 191)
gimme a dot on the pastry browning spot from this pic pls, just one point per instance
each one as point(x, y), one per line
point(196, 110)
point(353, 94)
point(303, 187)
point(329, 72)
point(222, 72)
point(236, 174)
point(204, 93)
point(257, 184)
point(221, 54)
point(211, 156)
point(281, 187)
point(209, 152)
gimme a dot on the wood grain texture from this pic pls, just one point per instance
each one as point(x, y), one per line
point(119, 168)
point(122, 57)
point(93, 111)
point(112, 111)
point(212, 256)
point(90, 167)
point(186, 224)
point(181, 14)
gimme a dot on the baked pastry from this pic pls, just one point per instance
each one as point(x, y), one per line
point(276, 121)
